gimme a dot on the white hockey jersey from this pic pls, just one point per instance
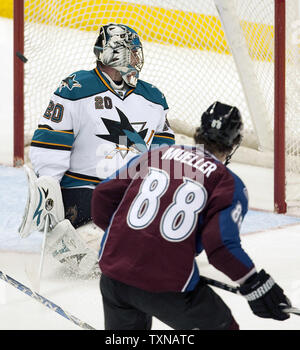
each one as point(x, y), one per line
point(89, 130)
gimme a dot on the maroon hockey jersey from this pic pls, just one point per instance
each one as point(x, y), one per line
point(162, 210)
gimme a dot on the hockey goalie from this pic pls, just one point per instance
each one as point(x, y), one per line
point(96, 121)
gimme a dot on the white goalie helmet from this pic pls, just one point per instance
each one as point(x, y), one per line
point(119, 46)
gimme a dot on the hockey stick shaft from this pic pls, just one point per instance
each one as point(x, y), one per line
point(232, 289)
point(46, 229)
point(220, 285)
point(44, 301)
point(33, 275)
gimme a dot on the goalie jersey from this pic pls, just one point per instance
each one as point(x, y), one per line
point(89, 130)
point(165, 208)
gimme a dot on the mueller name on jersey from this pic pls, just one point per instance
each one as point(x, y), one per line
point(192, 162)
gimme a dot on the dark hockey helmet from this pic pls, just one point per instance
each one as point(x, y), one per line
point(221, 124)
point(119, 46)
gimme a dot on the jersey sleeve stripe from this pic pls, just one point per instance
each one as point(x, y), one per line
point(61, 131)
point(165, 135)
point(82, 177)
point(59, 138)
point(74, 180)
point(162, 140)
point(50, 145)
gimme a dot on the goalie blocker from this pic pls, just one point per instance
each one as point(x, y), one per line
point(63, 242)
point(44, 198)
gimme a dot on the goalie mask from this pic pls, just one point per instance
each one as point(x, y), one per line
point(119, 46)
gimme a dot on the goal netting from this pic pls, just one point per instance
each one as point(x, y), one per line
point(195, 52)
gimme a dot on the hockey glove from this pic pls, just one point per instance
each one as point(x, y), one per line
point(266, 299)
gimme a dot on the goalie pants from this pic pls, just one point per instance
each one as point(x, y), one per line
point(77, 204)
point(130, 308)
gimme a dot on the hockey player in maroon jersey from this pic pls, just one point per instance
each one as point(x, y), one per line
point(161, 211)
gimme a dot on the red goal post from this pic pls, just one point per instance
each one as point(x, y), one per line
point(280, 205)
point(18, 48)
point(192, 53)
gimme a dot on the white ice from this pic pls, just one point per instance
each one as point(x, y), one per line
point(272, 241)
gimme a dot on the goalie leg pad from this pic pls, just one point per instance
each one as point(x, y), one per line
point(67, 246)
point(91, 234)
point(44, 197)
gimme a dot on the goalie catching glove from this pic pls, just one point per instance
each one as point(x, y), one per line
point(266, 299)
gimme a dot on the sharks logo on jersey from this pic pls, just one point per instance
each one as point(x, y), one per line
point(124, 135)
point(69, 83)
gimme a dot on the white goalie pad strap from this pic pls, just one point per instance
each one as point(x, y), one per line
point(44, 197)
point(66, 245)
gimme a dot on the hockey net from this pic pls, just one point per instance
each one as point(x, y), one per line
point(187, 56)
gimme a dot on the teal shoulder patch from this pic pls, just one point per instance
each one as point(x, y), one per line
point(151, 93)
point(80, 85)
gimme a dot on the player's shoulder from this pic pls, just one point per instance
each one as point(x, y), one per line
point(227, 172)
point(228, 184)
point(80, 84)
point(239, 184)
point(151, 92)
point(223, 174)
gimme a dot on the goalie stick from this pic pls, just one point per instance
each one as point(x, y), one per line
point(35, 276)
point(232, 289)
point(46, 302)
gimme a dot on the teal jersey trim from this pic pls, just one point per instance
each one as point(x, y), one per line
point(76, 180)
point(53, 137)
point(79, 85)
point(83, 84)
point(150, 93)
point(161, 140)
